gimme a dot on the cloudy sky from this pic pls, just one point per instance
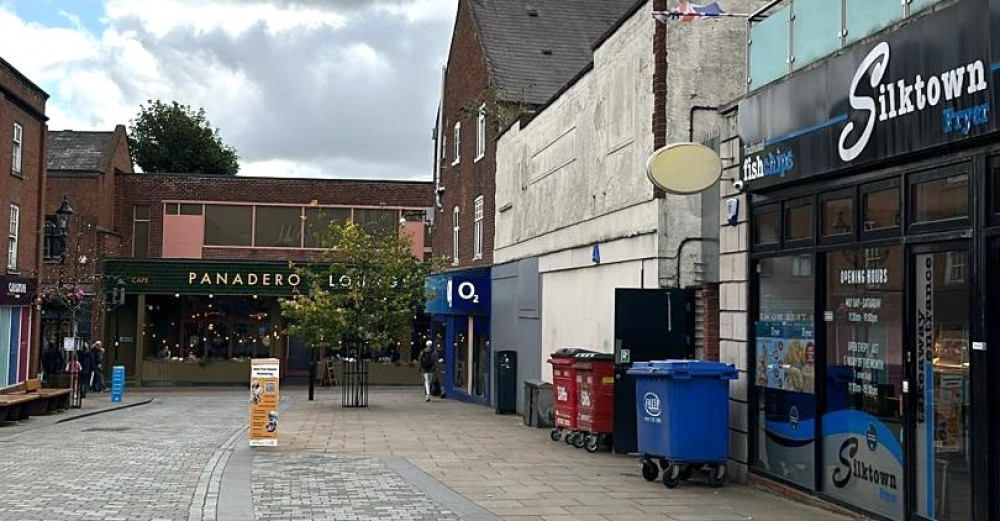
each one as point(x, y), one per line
point(306, 88)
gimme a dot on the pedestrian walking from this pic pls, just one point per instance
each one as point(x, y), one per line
point(427, 365)
point(97, 352)
point(86, 369)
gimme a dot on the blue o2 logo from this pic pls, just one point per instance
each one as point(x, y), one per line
point(651, 402)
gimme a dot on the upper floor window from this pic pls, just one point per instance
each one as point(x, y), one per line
point(140, 230)
point(228, 225)
point(52, 248)
point(12, 235)
point(15, 167)
point(481, 133)
point(478, 229)
point(457, 144)
point(278, 227)
point(454, 236)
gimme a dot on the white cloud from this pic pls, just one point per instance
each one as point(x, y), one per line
point(302, 88)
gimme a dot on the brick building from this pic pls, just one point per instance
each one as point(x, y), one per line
point(22, 174)
point(204, 260)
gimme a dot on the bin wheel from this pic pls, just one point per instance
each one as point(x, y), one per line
point(650, 471)
point(717, 475)
point(592, 443)
point(580, 440)
point(555, 435)
point(687, 472)
point(672, 476)
point(569, 437)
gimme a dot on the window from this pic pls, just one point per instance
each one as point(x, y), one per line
point(881, 209)
point(228, 225)
point(838, 217)
point(377, 222)
point(478, 229)
point(798, 222)
point(766, 226)
point(317, 222)
point(278, 227)
point(52, 249)
point(940, 199)
point(140, 230)
point(954, 267)
point(481, 133)
point(457, 144)
point(16, 157)
point(12, 233)
point(182, 209)
point(454, 236)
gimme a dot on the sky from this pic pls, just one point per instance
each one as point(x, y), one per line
point(300, 88)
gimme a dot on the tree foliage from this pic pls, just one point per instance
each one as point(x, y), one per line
point(365, 292)
point(177, 139)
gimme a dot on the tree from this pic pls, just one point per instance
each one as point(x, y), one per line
point(177, 139)
point(363, 295)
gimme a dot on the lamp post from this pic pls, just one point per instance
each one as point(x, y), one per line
point(63, 215)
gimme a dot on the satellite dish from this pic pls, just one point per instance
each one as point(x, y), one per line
point(684, 168)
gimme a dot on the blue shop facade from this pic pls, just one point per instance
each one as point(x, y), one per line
point(459, 307)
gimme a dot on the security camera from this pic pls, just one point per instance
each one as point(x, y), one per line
point(738, 185)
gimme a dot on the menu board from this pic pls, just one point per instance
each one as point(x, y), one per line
point(786, 356)
point(264, 374)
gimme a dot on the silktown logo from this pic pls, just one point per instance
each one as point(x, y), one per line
point(853, 466)
point(901, 97)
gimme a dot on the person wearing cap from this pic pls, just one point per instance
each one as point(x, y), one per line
point(427, 365)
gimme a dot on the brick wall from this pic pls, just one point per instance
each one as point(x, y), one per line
point(710, 308)
point(465, 87)
point(153, 189)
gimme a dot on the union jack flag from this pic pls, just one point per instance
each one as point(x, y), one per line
point(688, 12)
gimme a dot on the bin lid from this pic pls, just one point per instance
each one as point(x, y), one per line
point(586, 356)
point(684, 369)
point(569, 352)
point(561, 360)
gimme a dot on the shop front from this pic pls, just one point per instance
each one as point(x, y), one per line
point(874, 194)
point(460, 322)
point(17, 351)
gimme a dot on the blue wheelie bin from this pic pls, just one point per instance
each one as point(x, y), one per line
point(682, 415)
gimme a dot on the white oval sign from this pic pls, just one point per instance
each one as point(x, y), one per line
point(684, 168)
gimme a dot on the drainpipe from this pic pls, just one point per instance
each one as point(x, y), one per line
point(680, 251)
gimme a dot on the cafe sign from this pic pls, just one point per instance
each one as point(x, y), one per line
point(16, 291)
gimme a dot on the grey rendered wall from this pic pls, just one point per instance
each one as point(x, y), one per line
point(515, 319)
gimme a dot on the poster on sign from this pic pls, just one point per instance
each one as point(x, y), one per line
point(264, 402)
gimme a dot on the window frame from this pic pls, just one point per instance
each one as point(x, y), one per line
point(838, 238)
point(756, 212)
point(865, 189)
point(481, 133)
point(135, 220)
point(13, 236)
point(787, 206)
point(18, 151)
point(934, 174)
point(457, 143)
point(455, 228)
point(478, 220)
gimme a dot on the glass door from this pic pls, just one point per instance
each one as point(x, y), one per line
point(939, 394)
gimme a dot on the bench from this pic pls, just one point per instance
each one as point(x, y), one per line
point(39, 401)
point(15, 407)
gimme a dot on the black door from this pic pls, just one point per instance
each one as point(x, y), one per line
point(650, 324)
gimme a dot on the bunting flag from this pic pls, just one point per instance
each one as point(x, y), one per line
point(688, 12)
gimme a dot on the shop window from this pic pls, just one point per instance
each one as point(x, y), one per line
point(766, 224)
point(191, 209)
point(171, 209)
point(784, 370)
point(377, 222)
point(140, 230)
point(863, 420)
point(881, 209)
point(228, 225)
point(941, 199)
point(317, 222)
point(278, 227)
point(798, 222)
point(838, 217)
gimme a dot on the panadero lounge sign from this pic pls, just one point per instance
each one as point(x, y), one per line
point(926, 84)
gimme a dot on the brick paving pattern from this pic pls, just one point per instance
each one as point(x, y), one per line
point(308, 485)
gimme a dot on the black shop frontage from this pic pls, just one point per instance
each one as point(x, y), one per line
point(873, 186)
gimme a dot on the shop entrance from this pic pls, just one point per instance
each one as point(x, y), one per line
point(937, 377)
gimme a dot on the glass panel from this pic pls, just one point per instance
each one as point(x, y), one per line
point(768, 48)
point(799, 222)
point(863, 421)
point(190, 209)
point(881, 209)
point(461, 350)
point(481, 363)
point(140, 239)
point(866, 17)
point(815, 30)
point(228, 225)
point(838, 216)
point(765, 227)
point(278, 226)
point(171, 209)
point(941, 318)
point(785, 370)
point(941, 199)
point(317, 221)
point(377, 222)
point(140, 212)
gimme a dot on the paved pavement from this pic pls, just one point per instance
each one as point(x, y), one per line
point(184, 456)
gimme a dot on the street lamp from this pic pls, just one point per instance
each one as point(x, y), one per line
point(63, 215)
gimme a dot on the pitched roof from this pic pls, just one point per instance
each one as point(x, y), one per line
point(534, 47)
point(70, 150)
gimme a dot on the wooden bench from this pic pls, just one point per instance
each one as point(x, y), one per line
point(41, 401)
point(15, 407)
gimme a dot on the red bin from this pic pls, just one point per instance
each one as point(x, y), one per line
point(565, 395)
point(595, 386)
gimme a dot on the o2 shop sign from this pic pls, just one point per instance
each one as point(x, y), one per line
point(462, 291)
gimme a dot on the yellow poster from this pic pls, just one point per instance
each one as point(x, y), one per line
point(264, 402)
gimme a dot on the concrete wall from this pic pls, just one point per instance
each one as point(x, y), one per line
point(515, 317)
point(733, 302)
